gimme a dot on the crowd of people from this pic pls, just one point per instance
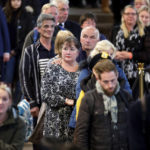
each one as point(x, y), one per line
point(66, 86)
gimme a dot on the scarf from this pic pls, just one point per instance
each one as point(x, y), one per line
point(110, 103)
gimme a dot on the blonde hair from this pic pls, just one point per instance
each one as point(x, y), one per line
point(101, 46)
point(146, 1)
point(144, 8)
point(48, 5)
point(4, 87)
point(62, 35)
point(139, 24)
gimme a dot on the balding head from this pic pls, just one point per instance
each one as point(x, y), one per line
point(89, 37)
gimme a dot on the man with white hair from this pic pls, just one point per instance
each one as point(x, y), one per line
point(63, 11)
point(88, 39)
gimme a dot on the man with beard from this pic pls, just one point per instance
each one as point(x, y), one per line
point(102, 119)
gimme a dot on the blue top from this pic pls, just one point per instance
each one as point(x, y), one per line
point(4, 34)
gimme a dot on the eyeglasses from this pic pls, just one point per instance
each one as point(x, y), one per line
point(130, 14)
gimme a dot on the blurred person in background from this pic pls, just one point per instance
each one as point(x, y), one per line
point(144, 15)
point(89, 19)
point(19, 24)
point(4, 45)
point(34, 35)
point(139, 124)
point(139, 3)
point(12, 127)
point(63, 22)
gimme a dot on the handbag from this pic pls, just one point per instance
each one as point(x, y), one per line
point(37, 133)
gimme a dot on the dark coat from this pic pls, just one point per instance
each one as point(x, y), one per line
point(139, 126)
point(29, 73)
point(94, 130)
point(74, 28)
point(12, 132)
point(4, 34)
point(19, 26)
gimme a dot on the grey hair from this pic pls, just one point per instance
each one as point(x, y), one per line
point(101, 46)
point(48, 5)
point(61, 1)
point(95, 30)
point(43, 17)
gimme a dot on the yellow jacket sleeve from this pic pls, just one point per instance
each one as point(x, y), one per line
point(79, 103)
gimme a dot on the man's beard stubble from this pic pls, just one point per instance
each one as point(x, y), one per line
point(109, 93)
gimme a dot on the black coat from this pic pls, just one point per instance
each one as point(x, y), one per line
point(19, 26)
point(139, 126)
point(94, 130)
point(74, 28)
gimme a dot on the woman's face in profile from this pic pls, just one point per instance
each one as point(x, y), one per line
point(5, 101)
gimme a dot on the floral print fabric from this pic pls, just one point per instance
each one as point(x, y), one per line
point(132, 44)
point(57, 85)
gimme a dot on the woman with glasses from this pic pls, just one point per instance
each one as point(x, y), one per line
point(128, 38)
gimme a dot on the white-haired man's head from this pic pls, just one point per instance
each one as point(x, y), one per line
point(63, 10)
point(89, 37)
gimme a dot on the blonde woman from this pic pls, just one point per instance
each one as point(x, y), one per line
point(129, 39)
point(144, 15)
point(12, 127)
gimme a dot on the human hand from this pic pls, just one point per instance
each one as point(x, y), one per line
point(6, 57)
point(69, 102)
point(12, 53)
point(57, 61)
point(35, 111)
point(123, 55)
